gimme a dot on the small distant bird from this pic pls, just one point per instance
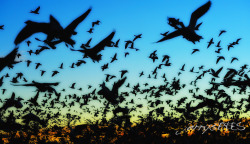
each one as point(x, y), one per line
point(218, 44)
point(61, 66)
point(210, 43)
point(218, 51)
point(141, 74)
point(54, 73)
point(72, 86)
point(219, 58)
point(233, 59)
point(42, 72)
point(30, 52)
point(182, 68)
point(215, 74)
point(221, 32)
point(28, 43)
point(95, 23)
point(72, 65)
point(105, 66)
point(127, 43)
point(90, 30)
point(114, 58)
point(137, 37)
point(36, 11)
point(195, 50)
point(165, 57)
point(116, 43)
point(37, 65)
point(126, 53)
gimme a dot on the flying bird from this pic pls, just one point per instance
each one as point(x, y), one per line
point(93, 53)
point(188, 32)
point(53, 30)
point(9, 60)
point(36, 11)
point(221, 32)
point(195, 50)
point(210, 43)
point(234, 59)
point(219, 58)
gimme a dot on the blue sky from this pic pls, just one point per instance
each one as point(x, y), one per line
point(128, 18)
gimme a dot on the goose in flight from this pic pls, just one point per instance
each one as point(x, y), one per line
point(53, 29)
point(188, 32)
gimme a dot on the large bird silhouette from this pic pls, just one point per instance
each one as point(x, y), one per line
point(53, 30)
point(188, 32)
point(9, 60)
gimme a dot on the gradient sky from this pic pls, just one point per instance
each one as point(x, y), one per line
point(128, 18)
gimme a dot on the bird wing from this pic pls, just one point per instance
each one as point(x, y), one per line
point(118, 84)
point(101, 45)
point(198, 13)
point(30, 29)
point(170, 36)
point(71, 27)
point(10, 57)
point(37, 9)
point(218, 71)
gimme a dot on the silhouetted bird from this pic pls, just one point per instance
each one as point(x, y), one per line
point(137, 37)
point(90, 30)
point(54, 73)
point(36, 11)
point(112, 95)
point(221, 32)
point(219, 58)
point(93, 53)
point(53, 29)
point(95, 23)
point(210, 43)
point(234, 59)
point(9, 60)
point(114, 58)
point(189, 31)
point(195, 50)
point(216, 73)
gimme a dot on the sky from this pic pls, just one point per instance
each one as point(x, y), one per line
point(127, 18)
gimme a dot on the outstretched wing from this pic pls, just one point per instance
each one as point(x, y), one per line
point(8, 59)
point(12, 55)
point(71, 27)
point(170, 36)
point(101, 45)
point(198, 13)
point(118, 84)
point(30, 29)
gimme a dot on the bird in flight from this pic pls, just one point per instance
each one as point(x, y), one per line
point(93, 52)
point(188, 32)
point(221, 32)
point(195, 50)
point(36, 11)
point(9, 60)
point(219, 58)
point(53, 30)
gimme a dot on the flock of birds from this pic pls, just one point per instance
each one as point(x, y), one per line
point(214, 104)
